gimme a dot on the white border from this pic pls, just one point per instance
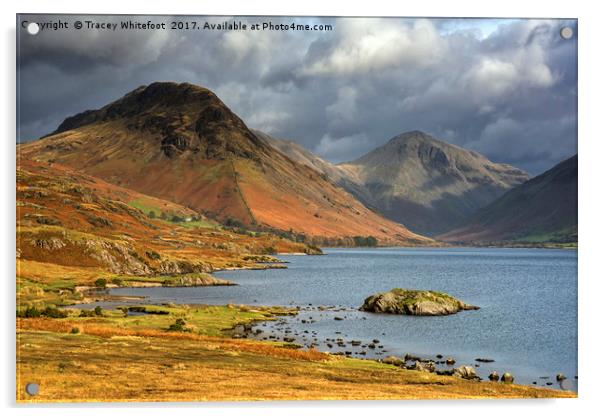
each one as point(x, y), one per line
point(590, 233)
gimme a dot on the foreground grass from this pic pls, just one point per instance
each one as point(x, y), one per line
point(200, 320)
point(136, 359)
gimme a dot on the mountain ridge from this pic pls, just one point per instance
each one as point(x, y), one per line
point(180, 142)
point(415, 179)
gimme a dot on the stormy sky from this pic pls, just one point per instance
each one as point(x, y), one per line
point(505, 88)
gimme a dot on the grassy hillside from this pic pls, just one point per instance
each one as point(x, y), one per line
point(73, 230)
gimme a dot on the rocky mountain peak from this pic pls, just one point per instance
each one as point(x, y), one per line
point(186, 118)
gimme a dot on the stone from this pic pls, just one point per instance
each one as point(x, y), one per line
point(420, 366)
point(396, 361)
point(466, 372)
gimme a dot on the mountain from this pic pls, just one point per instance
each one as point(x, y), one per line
point(181, 143)
point(543, 209)
point(426, 184)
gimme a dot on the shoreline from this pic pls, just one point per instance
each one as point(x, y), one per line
point(347, 346)
point(284, 333)
point(256, 331)
point(116, 299)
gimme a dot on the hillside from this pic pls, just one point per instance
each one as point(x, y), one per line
point(180, 143)
point(542, 210)
point(426, 184)
point(73, 229)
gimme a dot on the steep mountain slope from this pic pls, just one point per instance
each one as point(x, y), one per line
point(329, 170)
point(426, 184)
point(181, 143)
point(543, 209)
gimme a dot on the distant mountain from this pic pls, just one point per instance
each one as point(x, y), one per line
point(181, 143)
point(543, 209)
point(426, 184)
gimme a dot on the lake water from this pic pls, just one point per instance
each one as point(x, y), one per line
point(528, 298)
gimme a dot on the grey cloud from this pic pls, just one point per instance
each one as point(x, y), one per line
point(510, 95)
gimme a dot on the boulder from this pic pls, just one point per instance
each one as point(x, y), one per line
point(494, 376)
point(507, 378)
point(466, 372)
point(414, 302)
point(420, 366)
point(410, 357)
point(396, 361)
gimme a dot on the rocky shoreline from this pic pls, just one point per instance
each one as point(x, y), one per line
point(288, 331)
point(423, 303)
point(92, 294)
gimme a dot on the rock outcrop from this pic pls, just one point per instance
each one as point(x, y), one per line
point(414, 302)
point(197, 279)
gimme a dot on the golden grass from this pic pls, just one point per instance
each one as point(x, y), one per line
point(105, 364)
point(107, 331)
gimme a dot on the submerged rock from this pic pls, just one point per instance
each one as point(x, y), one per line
point(414, 302)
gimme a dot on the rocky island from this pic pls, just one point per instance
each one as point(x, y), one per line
point(414, 302)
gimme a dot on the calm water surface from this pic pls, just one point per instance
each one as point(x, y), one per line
point(528, 298)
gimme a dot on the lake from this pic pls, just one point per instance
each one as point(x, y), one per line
point(528, 298)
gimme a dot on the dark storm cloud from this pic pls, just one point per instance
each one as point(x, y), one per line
point(504, 88)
